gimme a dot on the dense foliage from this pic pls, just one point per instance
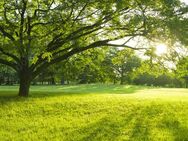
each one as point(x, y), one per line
point(109, 65)
point(36, 34)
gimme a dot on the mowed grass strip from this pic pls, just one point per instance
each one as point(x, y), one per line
point(94, 113)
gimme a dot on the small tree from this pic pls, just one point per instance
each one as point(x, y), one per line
point(124, 63)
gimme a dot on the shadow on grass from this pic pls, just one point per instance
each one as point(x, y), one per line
point(179, 132)
point(51, 91)
point(135, 126)
point(105, 89)
point(105, 129)
point(86, 89)
point(11, 97)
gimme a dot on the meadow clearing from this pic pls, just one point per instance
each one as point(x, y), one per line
point(94, 113)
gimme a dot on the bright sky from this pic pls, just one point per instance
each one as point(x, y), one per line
point(186, 1)
point(161, 49)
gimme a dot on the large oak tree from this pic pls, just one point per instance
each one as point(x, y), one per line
point(35, 34)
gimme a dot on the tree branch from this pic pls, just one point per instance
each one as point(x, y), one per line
point(5, 62)
point(123, 45)
point(6, 34)
point(67, 55)
point(10, 55)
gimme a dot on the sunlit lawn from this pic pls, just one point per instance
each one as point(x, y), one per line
point(94, 113)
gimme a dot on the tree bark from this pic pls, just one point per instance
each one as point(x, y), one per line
point(122, 81)
point(25, 81)
point(122, 78)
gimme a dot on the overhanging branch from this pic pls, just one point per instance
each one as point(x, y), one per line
point(123, 45)
point(6, 34)
point(9, 55)
point(67, 55)
point(10, 64)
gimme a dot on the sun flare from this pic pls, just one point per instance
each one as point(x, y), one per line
point(161, 49)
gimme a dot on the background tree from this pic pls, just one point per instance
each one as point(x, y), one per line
point(182, 70)
point(124, 63)
point(7, 76)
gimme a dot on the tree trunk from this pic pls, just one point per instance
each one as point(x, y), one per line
point(62, 80)
point(122, 78)
point(122, 81)
point(52, 80)
point(25, 81)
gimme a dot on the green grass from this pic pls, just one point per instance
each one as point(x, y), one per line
point(94, 113)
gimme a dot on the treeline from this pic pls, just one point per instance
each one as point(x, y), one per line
point(112, 65)
point(7, 76)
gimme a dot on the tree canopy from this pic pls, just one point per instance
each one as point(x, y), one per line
point(35, 34)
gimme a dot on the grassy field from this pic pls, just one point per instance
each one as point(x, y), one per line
point(94, 113)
